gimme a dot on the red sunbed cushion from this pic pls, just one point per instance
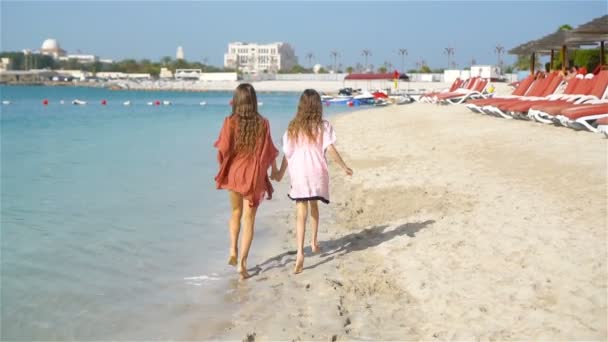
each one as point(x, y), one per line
point(523, 86)
point(600, 84)
point(554, 108)
point(585, 110)
point(552, 85)
point(524, 106)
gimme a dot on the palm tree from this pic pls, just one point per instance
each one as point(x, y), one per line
point(366, 53)
point(334, 54)
point(310, 56)
point(165, 60)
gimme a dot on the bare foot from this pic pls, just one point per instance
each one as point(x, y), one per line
point(232, 260)
point(299, 265)
point(315, 247)
point(242, 270)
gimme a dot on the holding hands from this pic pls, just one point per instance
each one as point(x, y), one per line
point(277, 174)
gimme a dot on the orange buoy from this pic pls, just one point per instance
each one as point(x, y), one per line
point(45, 102)
point(104, 102)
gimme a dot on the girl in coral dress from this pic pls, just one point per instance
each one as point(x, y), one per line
point(245, 153)
point(307, 139)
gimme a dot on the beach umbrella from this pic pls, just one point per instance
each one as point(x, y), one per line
point(592, 32)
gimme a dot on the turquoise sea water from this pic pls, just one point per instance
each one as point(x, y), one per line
point(111, 226)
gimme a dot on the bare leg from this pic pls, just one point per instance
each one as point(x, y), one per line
point(314, 222)
point(247, 238)
point(236, 202)
point(301, 213)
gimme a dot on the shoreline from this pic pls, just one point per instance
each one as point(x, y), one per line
point(454, 226)
point(260, 86)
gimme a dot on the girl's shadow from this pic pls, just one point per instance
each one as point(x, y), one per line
point(354, 242)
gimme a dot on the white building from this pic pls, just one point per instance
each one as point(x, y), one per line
point(165, 73)
point(51, 47)
point(255, 58)
point(188, 74)
point(80, 58)
point(5, 64)
point(180, 53)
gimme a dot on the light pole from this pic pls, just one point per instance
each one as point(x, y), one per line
point(499, 50)
point(450, 52)
point(366, 53)
point(403, 53)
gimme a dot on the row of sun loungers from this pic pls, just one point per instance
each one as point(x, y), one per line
point(580, 103)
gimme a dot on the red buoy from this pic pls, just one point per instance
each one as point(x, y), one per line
point(104, 102)
point(45, 102)
point(157, 103)
point(350, 103)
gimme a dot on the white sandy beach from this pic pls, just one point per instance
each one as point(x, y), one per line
point(455, 226)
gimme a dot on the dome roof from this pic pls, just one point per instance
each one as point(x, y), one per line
point(50, 44)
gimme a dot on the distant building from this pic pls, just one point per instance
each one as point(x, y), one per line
point(51, 47)
point(255, 58)
point(165, 73)
point(188, 74)
point(80, 58)
point(180, 53)
point(5, 64)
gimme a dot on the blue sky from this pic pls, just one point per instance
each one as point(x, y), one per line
point(152, 29)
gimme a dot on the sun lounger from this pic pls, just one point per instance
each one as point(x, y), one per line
point(586, 117)
point(427, 97)
point(576, 89)
point(459, 96)
point(548, 112)
point(540, 90)
point(522, 88)
point(535, 89)
point(602, 125)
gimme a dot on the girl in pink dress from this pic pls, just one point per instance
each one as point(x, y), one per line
point(307, 139)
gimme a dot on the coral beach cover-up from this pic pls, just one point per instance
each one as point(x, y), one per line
point(242, 172)
point(307, 164)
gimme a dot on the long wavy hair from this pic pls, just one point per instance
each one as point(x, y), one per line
point(250, 127)
point(309, 118)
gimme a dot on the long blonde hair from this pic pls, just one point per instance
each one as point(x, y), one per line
point(309, 118)
point(245, 106)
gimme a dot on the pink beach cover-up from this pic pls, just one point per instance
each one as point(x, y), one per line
point(307, 165)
